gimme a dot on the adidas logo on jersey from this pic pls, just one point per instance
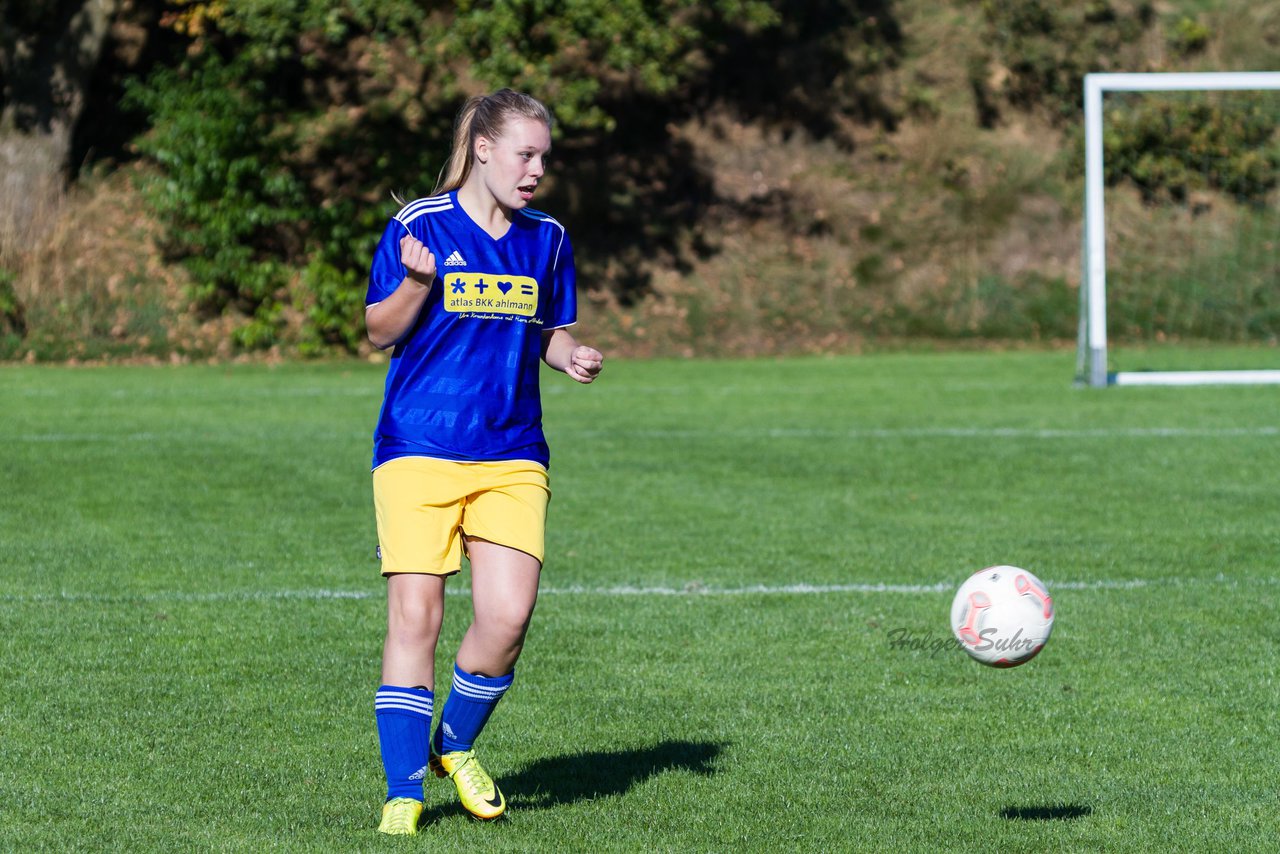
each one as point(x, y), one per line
point(455, 260)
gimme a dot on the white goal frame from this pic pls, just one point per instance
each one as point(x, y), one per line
point(1091, 357)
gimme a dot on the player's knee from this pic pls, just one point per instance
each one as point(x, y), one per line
point(415, 620)
point(508, 623)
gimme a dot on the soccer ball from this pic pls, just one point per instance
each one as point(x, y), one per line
point(1002, 616)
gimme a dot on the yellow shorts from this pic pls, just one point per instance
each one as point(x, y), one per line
point(425, 506)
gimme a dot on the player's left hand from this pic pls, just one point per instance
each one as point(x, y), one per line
point(585, 363)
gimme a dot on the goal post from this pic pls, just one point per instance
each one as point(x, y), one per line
point(1091, 359)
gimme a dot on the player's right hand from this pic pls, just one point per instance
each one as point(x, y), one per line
point(419, 262)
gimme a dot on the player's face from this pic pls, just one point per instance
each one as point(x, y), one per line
point(514, 163)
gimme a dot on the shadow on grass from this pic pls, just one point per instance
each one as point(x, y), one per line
point(566, 779)
point(1046, 813)
point(559, 780)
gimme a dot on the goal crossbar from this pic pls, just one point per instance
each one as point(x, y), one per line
point(1092, 357)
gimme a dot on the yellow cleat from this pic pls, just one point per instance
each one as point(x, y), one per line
point(476, 789)
point(400, 816)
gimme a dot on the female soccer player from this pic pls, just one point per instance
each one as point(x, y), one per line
point(471, 287)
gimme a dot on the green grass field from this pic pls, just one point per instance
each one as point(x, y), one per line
point(191, 613)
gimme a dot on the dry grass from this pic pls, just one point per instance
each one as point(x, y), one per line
point(820, 248)
point(91, 280)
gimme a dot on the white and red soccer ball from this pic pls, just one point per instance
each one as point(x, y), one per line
point(1002, 616)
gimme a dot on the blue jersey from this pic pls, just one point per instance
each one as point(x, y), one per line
point(463, 381)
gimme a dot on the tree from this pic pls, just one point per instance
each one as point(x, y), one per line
point(48, 51)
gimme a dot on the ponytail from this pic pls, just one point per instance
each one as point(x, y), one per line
point(487, 116)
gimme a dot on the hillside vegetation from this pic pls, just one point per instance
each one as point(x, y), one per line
point(740, 177)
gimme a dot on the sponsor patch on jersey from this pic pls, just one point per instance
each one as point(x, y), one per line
point(487, 293)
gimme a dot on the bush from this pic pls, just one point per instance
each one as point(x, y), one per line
point(13, 324)
point(1189, 36)
point(226, 192)
point(1047, 47)
point(1171, 146)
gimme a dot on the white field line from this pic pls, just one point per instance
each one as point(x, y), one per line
point(171, 436)
point(760, 433)
point(373, 390)
point(943, 433)
point(691, 590)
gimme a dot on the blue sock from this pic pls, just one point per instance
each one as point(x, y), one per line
point(471, 700)
point(404, 725)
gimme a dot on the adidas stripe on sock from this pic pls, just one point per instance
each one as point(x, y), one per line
point(404, 727)
point(471, 701)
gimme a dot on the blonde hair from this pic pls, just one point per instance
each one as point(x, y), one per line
point(487, 116)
